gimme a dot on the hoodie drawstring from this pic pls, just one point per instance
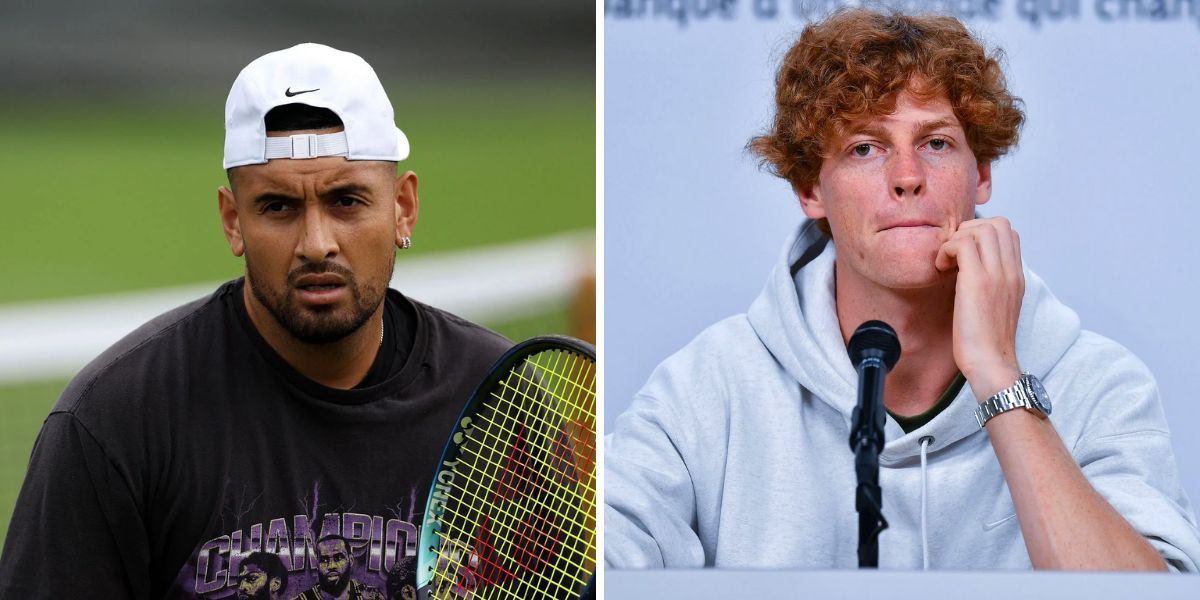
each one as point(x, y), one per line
point(925, 442)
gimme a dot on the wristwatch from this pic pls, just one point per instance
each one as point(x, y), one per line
point(1026, 393)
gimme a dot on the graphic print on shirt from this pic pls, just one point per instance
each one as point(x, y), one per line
point(311, 554)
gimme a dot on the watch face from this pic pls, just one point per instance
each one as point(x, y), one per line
point(1040, 397)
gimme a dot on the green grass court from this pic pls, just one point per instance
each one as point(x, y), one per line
point(123, 197)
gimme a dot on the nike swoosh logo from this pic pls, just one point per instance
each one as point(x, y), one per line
point(995, 524)
point(289, 93)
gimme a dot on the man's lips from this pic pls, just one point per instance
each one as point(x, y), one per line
point(909, 224)
point(321, 288)
point(320, 280)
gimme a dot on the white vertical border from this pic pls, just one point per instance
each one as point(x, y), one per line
point(599, 299)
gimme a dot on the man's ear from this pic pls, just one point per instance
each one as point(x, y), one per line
point(275, 584)
point(810, 200)
point(983, 190)
point(227, 205)
point(408, 204)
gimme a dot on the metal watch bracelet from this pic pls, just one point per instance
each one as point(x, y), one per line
point(1010, 398)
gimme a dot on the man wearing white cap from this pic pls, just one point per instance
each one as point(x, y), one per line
point(304, 401)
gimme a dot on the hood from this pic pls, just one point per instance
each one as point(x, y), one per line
point(796, 319)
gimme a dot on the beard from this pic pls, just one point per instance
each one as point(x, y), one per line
point(334, 587)
point(262, 593)
point(318, 324)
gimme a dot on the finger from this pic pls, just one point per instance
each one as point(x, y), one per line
point(1016, 245)
point(1008, 254)
point(970, 224)
point(967, 257)
point(1016, 250)
point(945, 259)
point(987, 240)
point(966, 231)
point(949, 254)
point(1011, 269)
point(946, 256)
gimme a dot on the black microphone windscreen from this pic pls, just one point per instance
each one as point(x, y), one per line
point(874, 335)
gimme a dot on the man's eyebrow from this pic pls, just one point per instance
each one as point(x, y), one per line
point(924, 127)
point(269, 197)
point(921, 128)
point(873, 131)
point(347, 188)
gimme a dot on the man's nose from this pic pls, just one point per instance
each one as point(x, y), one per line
point(317, 240)
point(906, 175)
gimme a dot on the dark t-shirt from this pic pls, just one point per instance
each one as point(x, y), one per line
point(191, 444)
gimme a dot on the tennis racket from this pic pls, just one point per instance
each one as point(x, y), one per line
point(511, 513)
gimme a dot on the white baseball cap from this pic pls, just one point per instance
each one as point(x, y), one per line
point(318, 76)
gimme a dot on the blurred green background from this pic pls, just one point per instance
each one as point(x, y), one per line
point(112, 150)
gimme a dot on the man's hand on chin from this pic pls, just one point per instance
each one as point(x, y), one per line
point(987, 301)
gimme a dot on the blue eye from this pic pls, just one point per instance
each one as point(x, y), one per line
point(937, 144)
point(862, 150)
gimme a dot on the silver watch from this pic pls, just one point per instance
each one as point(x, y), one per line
point(1026, 393)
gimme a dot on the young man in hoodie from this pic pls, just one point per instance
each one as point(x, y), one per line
point(1016, 438)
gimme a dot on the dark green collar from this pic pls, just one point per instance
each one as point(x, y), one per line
point(910, 424)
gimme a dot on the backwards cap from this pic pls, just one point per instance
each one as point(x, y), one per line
point(319, 76)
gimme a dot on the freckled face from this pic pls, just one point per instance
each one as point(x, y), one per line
point(319, 240)
point(895, 188)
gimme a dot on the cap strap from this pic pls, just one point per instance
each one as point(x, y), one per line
point(308, 145)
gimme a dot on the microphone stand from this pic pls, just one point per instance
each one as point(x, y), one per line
point(874, 349)
point(866, 439)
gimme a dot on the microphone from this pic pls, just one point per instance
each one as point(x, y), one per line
point(874, 349)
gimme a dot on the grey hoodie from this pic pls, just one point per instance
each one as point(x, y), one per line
point(735, 452)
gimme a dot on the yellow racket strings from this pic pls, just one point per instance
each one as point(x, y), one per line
point(586, 507)
point(555, 389)
point(530, 503)
point(510, 512)
point(564, 491)
point(538, 437)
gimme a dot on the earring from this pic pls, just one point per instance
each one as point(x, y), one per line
point(405, 243)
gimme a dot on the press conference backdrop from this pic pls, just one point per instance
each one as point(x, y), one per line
point(1102, 187)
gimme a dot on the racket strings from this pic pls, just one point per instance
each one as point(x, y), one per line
point(554, 448)
point(582, 430)
point(526, 552)
point(509, 519)
point(556, 501)
point(484, 567)
point(588, 448)
point(510, 471)
point(574, 410)
point(582, 503)
point(556, 443)
point(587, 502)
point(550, 453)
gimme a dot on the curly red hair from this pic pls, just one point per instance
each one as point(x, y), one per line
point(853, 65)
